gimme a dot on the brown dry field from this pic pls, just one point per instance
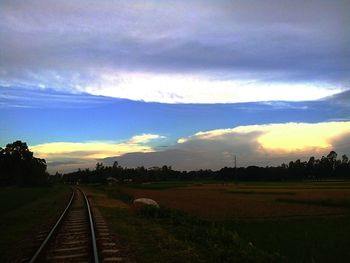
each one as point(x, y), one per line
point(251, 200)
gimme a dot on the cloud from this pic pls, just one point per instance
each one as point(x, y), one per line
point(177, 88)
point(168, 51)
point(143, 138)
point(293, 137)
point(281, 138)
point(62, 151)
point(85, 150)
point(341, 99)
point(269, 144)
point(68, 165)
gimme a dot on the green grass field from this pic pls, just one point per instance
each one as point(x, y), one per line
point(23, 212)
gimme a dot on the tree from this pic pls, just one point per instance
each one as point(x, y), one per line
point(343, 166)
point(310, 166)
point(115, 165)
point(311, 162)
point(18, 166)
point(99, 166)
point(344, 159)
point(332, 158)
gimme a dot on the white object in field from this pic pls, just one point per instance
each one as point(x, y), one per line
point(145, 201)
point(111, 180)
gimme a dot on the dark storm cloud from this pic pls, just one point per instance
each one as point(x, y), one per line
point(68, 42)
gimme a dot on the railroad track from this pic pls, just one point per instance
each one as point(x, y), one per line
point(79, 235)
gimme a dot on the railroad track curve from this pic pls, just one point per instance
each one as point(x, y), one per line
point(79, 235)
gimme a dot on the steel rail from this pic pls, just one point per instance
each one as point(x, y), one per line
point(53, 229)
point(92, 229)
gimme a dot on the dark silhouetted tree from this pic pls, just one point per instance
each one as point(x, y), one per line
point(18, 166)
point(328, 167)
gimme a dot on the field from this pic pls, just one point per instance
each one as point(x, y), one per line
point(263, 222)
point(24, 211)
point(249, 200)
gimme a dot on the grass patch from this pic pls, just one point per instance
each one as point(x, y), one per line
point(213, 240)
point(164, 235)
point(12, 198)
point(316, 239)
point(24, 210)
point(147, 240)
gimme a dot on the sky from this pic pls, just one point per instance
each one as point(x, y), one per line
point(189, 84)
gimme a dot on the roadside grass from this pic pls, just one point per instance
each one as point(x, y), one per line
point(214, 241)
point(170, 236)
point(147, 240)
point(12, 198)
point(165, 235)
point(24, 210)
point(308, 239)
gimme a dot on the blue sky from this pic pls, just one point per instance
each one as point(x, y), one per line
point(169, 82)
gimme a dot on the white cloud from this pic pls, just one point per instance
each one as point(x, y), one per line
point(269, 144)
point(177, 88)
point(281, 137)
point(144, 138)
point(93, 150)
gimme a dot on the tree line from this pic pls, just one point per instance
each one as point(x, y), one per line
point(18, 166)
point(326, 168)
